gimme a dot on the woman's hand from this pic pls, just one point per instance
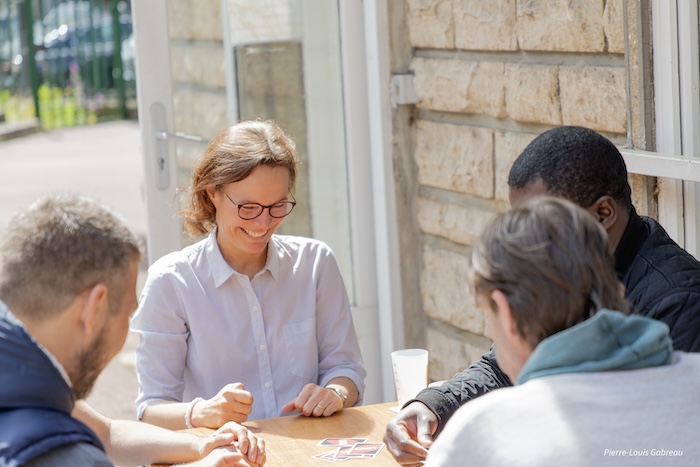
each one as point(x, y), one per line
point(232, 404)
point(315, 401)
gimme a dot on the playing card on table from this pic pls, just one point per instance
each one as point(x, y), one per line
point(363, 449)
point(326, 456)
point(349, 449)
point(341, 441)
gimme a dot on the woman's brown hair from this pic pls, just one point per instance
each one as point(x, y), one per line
point(230, 157)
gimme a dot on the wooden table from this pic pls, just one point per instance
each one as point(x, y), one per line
point(293, 440)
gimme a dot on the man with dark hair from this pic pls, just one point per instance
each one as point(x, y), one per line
point(584, 370)
point(662, 280)
point(574, 163)
point(68, 269)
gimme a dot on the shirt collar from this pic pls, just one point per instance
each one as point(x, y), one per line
point(631, 242)
point(221, 271)
point(275, 252)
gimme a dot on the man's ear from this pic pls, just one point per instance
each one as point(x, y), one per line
point(605, 211)
point(504, 313)
point(95, 308)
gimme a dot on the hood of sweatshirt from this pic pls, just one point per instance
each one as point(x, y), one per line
point(608, 341)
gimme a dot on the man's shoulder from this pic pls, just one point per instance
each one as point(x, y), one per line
point(661, 250)
point(662, 264)
point(28, 433)
point(476, 428)
point(688, 362)
point(83, 454)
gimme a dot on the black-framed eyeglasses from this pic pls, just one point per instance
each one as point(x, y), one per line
point(249, 211)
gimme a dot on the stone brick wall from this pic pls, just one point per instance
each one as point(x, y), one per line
point(490, 76)
point(198, 75)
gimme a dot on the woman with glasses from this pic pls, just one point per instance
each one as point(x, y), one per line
point(244, 324)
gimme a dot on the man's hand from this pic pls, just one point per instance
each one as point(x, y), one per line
point(252, 447)
point(232, 404)
point(410, 433)
point(220, 457)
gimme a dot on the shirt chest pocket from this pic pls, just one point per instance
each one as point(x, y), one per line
point(302, 349)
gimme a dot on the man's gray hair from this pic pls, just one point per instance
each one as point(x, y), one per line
point(60, 246)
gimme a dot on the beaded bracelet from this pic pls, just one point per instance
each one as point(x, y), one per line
point(188, 412)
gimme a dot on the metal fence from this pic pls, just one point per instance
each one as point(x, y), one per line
point(66, 62)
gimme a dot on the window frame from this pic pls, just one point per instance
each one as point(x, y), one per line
point(676, 70)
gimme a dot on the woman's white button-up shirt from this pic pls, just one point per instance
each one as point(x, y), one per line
point(203, 325)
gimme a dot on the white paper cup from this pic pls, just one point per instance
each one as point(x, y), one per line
point(410, 373)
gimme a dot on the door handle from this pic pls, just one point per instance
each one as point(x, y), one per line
point(161, 159)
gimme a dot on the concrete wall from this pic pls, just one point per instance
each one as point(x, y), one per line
point(490, 76)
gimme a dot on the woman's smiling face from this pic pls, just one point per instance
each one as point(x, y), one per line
point(243, 240)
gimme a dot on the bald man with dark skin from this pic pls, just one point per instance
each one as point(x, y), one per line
point(662, 280)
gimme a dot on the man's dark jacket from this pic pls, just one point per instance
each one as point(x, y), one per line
point(662, 281)
point(35, 400)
